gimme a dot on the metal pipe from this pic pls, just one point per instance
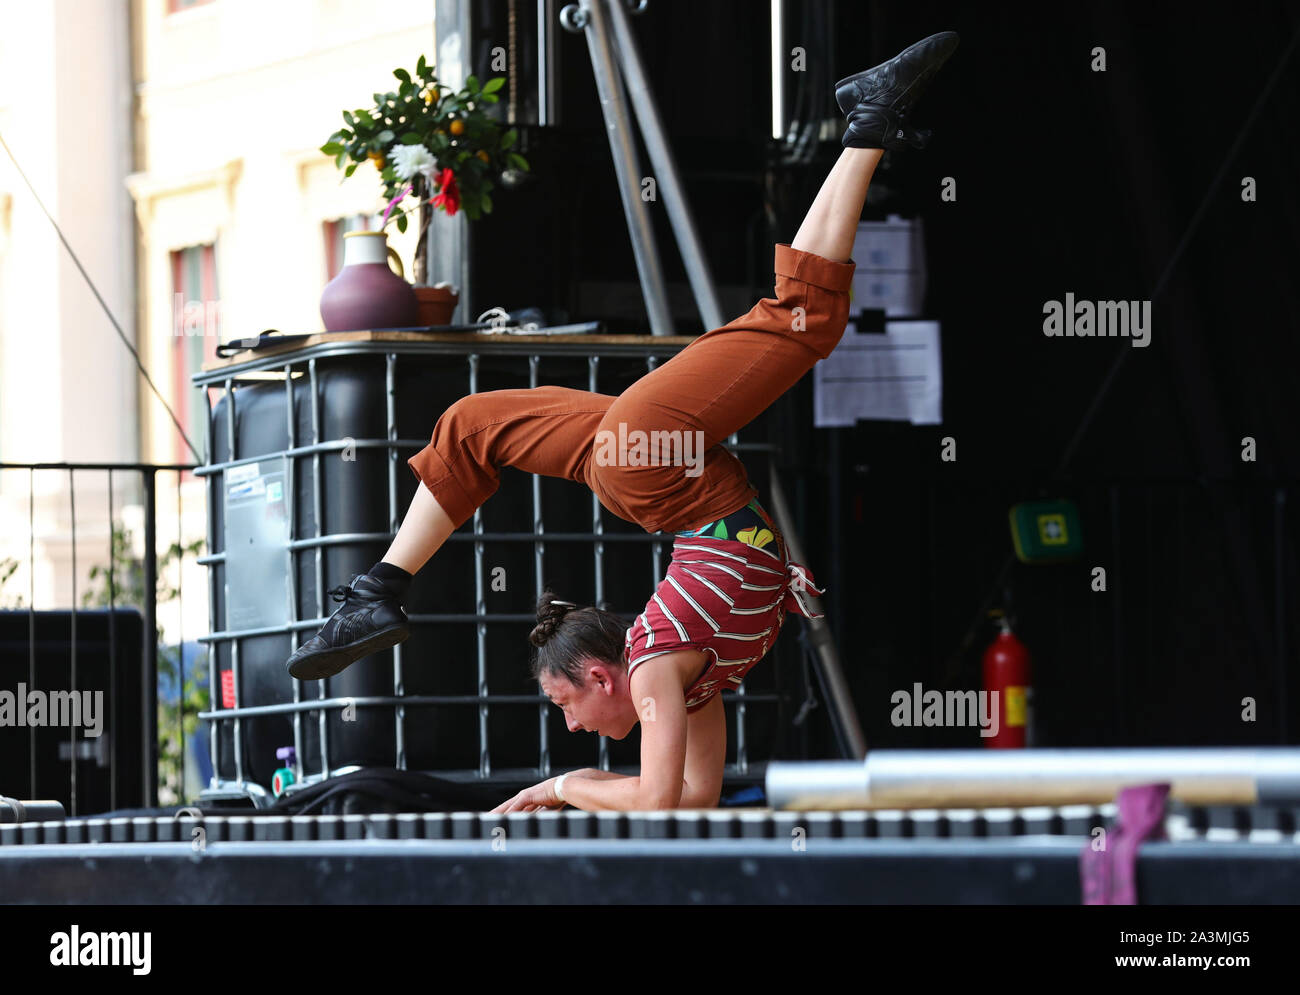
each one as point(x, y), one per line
point(413, 701)
point(348, 538)
point(975, 778)
point(31, 618)
point(210, 514)
point(291, 499)
point(317, 513)
point(539, 583)
point(609, 85)
point(598, 551)
point(149, 677)
point(480, 606)
point(778, 68)
point(399, 684)
point(112, 650)
point(13, 810)
point(72, 728)
point(334, 446)
point(547, 93)
point(494, 345)
point(180, 630)
point(819, 633)
point(674, 197)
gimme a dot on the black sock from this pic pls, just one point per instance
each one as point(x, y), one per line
point(394, 578)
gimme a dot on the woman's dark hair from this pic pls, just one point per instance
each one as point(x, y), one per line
point(567, 634)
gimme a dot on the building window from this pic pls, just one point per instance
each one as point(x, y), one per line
point(334, 232)
point(195, 332)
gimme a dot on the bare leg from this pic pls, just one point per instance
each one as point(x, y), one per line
point(424, 529)
point(832, 221)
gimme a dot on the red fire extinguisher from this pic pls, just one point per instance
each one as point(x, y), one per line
point(1008, 683)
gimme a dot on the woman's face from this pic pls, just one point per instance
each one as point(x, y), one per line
point(601, 705)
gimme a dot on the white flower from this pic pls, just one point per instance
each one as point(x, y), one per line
point(408, 160)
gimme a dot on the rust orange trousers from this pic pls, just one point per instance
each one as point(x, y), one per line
point(715, 386)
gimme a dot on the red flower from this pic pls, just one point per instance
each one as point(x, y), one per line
point(449, 198)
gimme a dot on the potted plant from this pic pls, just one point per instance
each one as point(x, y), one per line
point(440, 148)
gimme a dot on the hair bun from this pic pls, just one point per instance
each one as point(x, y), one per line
point(550, 612)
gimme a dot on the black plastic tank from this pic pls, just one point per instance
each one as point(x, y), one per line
point(441, 657)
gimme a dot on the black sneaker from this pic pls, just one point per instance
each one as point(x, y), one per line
point(370, 619)
point(878, 101)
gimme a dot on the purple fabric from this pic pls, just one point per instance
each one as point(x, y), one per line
point(1109, 876)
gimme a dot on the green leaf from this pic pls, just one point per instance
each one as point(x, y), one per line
point(338, 159)
point(352, 168)
point(487, 204)
point(364, 117)
point(471, 83)
point(493, 85)
point(384, 137)
point(518, 161)
point(491, 98)
point(508, 138)
point(401, 222)
point(332, 148)
point(347, 116)
point(420, 66)
point(403, 75)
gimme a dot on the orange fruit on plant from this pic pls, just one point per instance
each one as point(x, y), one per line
point(482, 154)
point(458, 127)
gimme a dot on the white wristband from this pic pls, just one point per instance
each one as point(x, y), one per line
point(558, 787)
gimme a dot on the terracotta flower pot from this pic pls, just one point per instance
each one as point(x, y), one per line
point(436, 305)
point(367, 294)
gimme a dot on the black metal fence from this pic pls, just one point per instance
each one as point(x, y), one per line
point(103, 640)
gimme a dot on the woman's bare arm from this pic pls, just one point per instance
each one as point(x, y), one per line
point(706, 750)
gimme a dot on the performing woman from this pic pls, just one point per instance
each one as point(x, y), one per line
point(730, 581)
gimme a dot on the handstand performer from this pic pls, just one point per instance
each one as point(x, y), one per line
point(730, 581)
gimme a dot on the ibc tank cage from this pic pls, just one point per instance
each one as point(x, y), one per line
point(306, 484)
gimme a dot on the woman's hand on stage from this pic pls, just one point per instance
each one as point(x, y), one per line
point(538, 797)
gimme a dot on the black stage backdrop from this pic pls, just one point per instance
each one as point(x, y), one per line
point(1117, 185)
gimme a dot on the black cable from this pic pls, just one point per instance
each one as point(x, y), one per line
point(94, 290)
point(955, 662)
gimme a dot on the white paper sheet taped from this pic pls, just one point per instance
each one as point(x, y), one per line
point(890, 274)
point(896, 376)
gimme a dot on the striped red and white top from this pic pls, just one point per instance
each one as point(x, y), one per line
point(725, 597)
